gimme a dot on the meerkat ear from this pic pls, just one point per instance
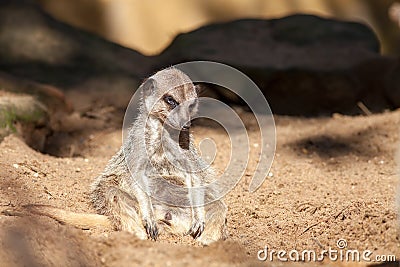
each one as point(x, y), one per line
point(148, 87)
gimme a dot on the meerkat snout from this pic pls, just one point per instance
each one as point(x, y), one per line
point(180, 117)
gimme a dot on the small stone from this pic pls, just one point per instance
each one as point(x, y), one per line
point(15, 165)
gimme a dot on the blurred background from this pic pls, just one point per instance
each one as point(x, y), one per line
point(149, 26)
point(304, 65)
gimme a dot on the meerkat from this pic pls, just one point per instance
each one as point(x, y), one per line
point(169, 101)
point(132, 194)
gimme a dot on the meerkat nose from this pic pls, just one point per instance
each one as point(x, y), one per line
point(186, 126)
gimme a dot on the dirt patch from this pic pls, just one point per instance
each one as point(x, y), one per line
point(332, 178)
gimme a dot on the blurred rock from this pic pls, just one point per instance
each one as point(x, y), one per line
point(36, 46)
point(52, 97)
point(303, 42)
point(304, 64)
point(55, 105)
point(392, 85)
point(39, 113)
point(25, 115)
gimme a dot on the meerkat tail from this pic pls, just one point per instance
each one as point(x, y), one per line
point(79, 220)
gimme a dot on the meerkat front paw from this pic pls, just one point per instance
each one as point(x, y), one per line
point(197, 229)
point(151, 228)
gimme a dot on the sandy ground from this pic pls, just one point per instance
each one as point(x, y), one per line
point(332, 178)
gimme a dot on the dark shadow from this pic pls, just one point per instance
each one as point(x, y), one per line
point(18, 248)
point(331, 145)
point(33, 242)
point(29, 240)
point(324, 146)
point(387, 264)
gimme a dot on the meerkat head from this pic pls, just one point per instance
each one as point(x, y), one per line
point(171, 97)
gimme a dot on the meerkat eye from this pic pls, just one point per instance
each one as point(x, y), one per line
point(170, 101)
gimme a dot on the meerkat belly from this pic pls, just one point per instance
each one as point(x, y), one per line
point(169, 168)
point(169, 186)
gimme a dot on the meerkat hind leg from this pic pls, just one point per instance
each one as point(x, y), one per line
point(123, 210)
